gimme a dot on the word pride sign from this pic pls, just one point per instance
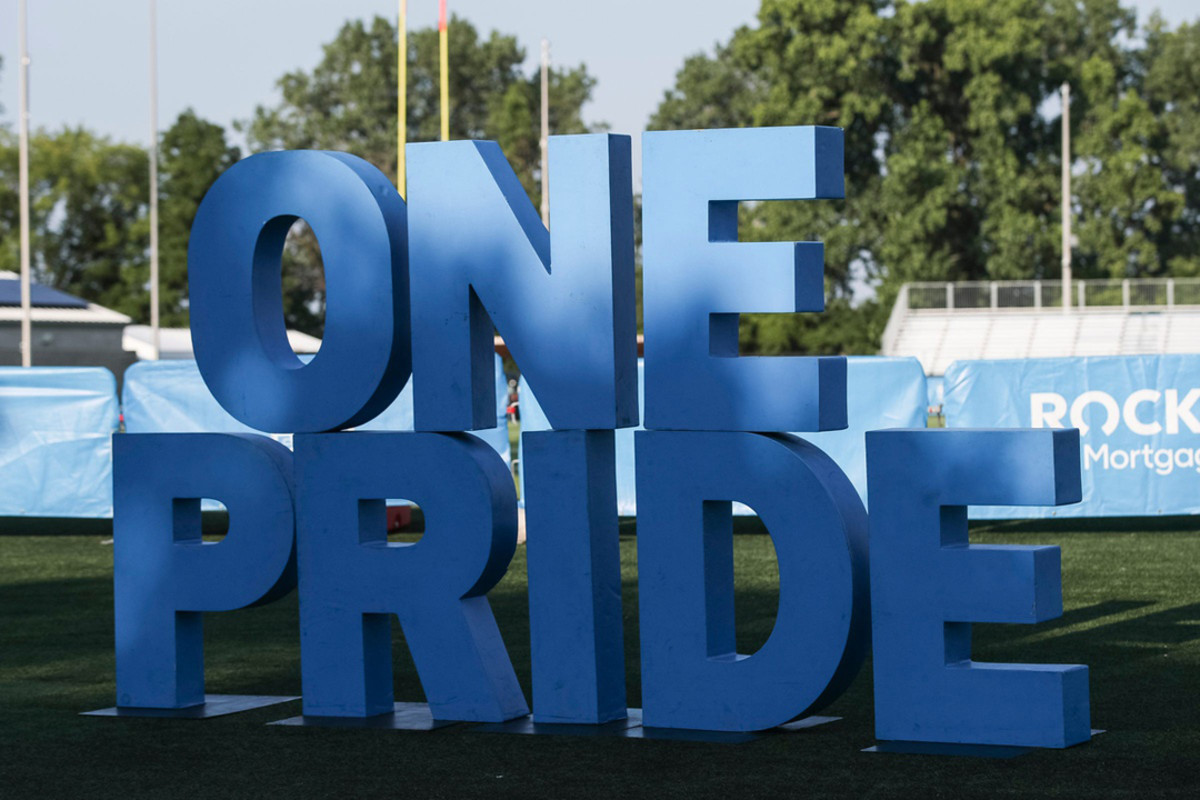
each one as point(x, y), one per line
point(413, 294)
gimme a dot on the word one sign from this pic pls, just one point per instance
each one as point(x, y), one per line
point(413, 293)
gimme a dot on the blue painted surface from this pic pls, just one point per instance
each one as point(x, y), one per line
point(352, 579)
point(928, 584)
point(697, 278)
point(236, 304)
point(170, 397)
point(164, 575)
point(563, 300)
point(883, 393)
point(692, 676)
point(480, 255)
point(56, 426)
point(1138, 416)
point(574, 563)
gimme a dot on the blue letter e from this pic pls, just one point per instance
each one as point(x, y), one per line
point(928, 584)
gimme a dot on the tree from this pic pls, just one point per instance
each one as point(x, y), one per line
point(1171, 64)
point(769, 75)
point(952, 141)
point(348, 103)
point(88, 226)
point(193, 154)
point(89, 221)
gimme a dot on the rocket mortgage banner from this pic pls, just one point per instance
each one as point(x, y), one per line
point(1138, 419)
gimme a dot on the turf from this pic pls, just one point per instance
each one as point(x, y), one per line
point(1132, 614)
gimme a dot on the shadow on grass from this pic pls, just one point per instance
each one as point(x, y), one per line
point(212, 522)
point(1139, 641)
point(1088, 525)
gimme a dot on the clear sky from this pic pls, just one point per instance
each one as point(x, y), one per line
point(223, 56)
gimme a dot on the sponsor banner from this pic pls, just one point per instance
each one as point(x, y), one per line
point(882, 393)
point(170, 397)
point(56, 426)
point(1138, 419)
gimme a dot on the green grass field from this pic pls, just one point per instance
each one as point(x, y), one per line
point(1132, 614)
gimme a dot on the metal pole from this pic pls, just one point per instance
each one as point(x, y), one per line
point(545, 141)
point(154, 301)
point(444, 68)
point(402, 103)
point(23, 169)
point(1066, 196)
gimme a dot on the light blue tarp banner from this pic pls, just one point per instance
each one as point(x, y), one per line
point(883, 393)
point(56, 426)
point(170, 397)
point(1138, 418)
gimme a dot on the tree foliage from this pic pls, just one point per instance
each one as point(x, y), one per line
point(953, 143)
point(90, 195)
point(89, 226)
point(348, 102)
point(193, 154)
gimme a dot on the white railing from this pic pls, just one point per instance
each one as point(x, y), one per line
point(1128, 293)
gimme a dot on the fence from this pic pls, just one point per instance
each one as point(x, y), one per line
point(1128, 293)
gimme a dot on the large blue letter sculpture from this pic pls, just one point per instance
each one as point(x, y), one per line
point(351, 578)
point(698, 279)
point(564, 301)
point(928, 585)
point(573, 553)
point(237, 308)
point(165, 575)
point(692, 674)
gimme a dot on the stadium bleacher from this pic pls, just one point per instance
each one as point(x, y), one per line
point(940, 323)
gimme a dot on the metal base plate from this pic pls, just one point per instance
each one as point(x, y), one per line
point(805, 723)
point(686, 735)
point(404, 717)
point(946, 749)
point(724, 737)
point(943, 749)
point(214, 705)
point(631, 728)
point(526, 725)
